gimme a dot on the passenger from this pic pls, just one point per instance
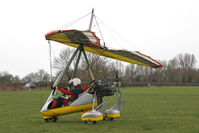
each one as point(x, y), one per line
point(74, 91)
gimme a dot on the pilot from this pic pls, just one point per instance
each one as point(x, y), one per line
point(74, 91)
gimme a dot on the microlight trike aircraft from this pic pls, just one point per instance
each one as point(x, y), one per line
point(90, 103)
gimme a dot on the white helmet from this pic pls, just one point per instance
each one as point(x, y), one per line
point(75, 81)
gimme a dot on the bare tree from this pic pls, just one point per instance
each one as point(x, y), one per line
point(38, 77)
point(6, 78)
point(186, 64)
point(29, 78)
point(186, 61)
point(177, 70)
point(98, 64)
point(63, 58)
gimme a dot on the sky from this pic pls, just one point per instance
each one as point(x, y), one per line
point(161, 29)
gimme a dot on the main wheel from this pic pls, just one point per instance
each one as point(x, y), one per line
point(53, 119)
point(90, 122)
point(105, 118)
point(111, 118)
point(48, 120)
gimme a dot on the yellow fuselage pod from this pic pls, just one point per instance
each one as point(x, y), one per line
point(66, 110)
point(99, 118)
point(113, 115)
point(92, 116)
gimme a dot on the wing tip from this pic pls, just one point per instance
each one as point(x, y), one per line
point(159, 65)
point(156, 66)
point(51, 33)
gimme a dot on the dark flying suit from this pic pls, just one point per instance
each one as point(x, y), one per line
point(74, 92)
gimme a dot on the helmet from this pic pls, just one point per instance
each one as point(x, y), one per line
point(75, 82)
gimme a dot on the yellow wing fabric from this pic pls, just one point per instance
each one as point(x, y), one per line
point(92, 44)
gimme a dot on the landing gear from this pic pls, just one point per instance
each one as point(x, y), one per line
point(105, 117)
point(111, 118)
point(53, 119)
point(90, 122)
point(108, 118)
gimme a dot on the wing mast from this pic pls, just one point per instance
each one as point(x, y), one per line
point(91, 20)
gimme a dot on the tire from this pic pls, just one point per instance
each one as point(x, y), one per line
point(46, 120)
point(55, 119)
point(90, 122)
point(105, 118)
point(111, 118)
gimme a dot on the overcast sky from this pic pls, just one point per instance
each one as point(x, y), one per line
point(158, 28)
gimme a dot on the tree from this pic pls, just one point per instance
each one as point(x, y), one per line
point(42, 76)
point(128, 75)
point(6, 78)
point(180, 69)
point(98, 65)
point(63, 58)
point(30, 78)
point(38, 77)
point(185, 65)
point(186, 61)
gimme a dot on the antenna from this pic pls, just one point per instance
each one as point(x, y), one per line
point(91, 20)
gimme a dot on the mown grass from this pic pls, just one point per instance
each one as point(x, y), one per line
point(148, 110)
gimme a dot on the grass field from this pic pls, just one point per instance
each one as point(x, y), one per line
point(148, 110)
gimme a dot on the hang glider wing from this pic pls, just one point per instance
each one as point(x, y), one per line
point(92, 44)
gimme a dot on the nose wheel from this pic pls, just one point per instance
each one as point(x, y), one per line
point(108, 118)
point(53, 119)
point(111, 118)
point(90, 122)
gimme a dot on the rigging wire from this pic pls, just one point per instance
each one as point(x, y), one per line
point(112, 33)
point(115, 35)
point(99, 31)
point(50, 60)
point(72, 22)
point(51, 55)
